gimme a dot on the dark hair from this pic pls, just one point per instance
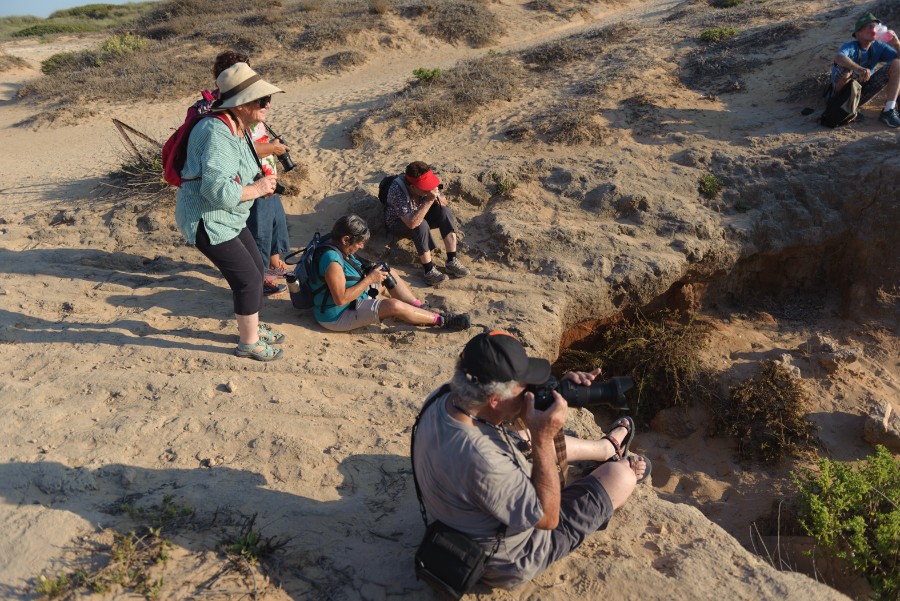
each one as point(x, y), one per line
point(417, 169)
point(351, 225)
point(227, 59)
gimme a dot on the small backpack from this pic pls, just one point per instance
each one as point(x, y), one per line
point(843, 106)
point(384, 186)
point(174, 151)
point(307, 273)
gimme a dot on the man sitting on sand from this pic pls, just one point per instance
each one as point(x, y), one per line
point(859, 59)
point(474, 477)
point(414, 205)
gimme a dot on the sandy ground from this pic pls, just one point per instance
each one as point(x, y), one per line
point(118, 382)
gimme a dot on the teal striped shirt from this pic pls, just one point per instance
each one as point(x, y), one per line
point(214, 156)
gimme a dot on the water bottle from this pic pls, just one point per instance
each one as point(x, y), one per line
point(292, 283)
point(882, 33)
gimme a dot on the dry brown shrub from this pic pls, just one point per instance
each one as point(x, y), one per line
point(579, 47)
point(321, 35)
point(379, 7)
point(9, 62)
point(571, 122)
point(454, 96)
point(344, 60)
point(466, 21)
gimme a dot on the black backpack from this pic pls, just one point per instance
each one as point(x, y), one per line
point(843, 106)
point(384, 186)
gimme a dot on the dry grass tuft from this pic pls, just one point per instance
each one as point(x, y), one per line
point(344, 60)
point(466, 21)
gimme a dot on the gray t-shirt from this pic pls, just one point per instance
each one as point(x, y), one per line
point(473, 479)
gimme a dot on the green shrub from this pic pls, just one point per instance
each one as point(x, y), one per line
point(727, 3)
point(710, 186)
point(426, 75)
point(505, 184)
point(48, 29)
point(52, 587)
point(662, 354)
point(719, 34)
point(123, 43)
point(853, 513)
point(767, 413)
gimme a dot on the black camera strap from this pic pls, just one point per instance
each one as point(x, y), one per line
point(253, 150)
point(438, 394)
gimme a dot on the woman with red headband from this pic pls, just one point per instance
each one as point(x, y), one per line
point(414, 205)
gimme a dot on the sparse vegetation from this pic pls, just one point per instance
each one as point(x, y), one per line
point(853, 513)
point(344, 60)
point(719, 34)
point(52, 587)
point(767, 413)
point(8, 62)
point(726, 3)
point(251, 545)
point(505, 184)
point(466, 21)
point(81, 19)
point(709, 186)
point(662, 354)
point(426, 75)
point(571, 122)
point(454, 96)
point(379, 7)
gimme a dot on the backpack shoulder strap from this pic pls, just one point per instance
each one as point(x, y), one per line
point(412, 444)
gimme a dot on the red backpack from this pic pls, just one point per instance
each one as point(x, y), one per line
point(174, 151)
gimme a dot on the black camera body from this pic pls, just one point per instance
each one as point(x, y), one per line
point(368, 266)
point(610, 393)
point(287, 163)
point(279, 189)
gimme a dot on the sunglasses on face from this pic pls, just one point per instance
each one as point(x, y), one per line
point(264, 101)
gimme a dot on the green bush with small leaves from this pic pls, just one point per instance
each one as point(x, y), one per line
point(719, 34)
point(727, 3)
point(854, 513)
point(48, 29)
point(710, 185)
point(123, 43)
point(426, 75)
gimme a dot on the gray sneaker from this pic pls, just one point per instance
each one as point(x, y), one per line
point(455, 321)
point(434, 277)
point(890, 118)
point(456, 269)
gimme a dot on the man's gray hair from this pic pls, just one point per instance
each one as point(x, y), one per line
point(472, 395)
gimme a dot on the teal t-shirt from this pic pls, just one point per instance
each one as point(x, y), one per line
point(353, 273)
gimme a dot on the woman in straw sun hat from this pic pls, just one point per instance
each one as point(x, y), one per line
point(214, 201)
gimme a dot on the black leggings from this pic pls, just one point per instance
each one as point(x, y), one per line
point(437, 216)
point(239, 261)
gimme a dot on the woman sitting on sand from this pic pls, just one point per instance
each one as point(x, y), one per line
point(214, 200)
point(344, 303)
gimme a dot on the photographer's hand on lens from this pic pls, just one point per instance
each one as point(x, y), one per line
point(545, 424)
point(583, 378)
point(376, 276)
point(279, 148)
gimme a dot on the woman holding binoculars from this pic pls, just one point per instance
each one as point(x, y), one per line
point(345, 302)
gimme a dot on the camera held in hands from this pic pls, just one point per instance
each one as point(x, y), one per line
point(285, 158)
point(279, 189)
point(610, 393)
point(389, 282)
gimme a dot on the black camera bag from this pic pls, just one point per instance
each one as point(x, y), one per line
point(447, 559)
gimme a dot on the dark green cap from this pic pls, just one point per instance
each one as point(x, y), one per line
point(864, 20)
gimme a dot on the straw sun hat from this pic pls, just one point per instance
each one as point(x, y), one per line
point(239, 84)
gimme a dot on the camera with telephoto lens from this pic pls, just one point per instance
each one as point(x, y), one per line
point(279, 189)
point(611, 393)
point(368, 266)
point(285, 158)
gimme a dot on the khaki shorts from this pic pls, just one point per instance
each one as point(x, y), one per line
point(365, 314)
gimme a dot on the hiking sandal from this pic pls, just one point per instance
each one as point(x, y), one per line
point(268, 334)
point(649, 467)
point(621, 449)
point(260, 350)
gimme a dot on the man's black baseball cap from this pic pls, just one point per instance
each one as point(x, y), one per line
point(498, 357)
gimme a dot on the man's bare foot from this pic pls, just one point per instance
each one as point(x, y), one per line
point(641, 467)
